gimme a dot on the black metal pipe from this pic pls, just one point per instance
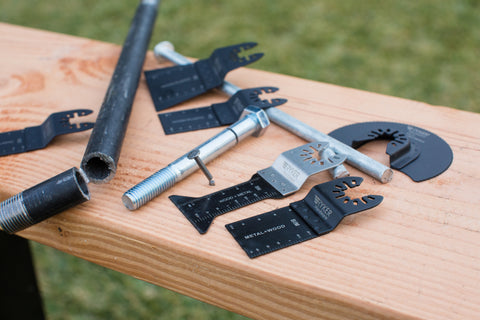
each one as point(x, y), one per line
point(44, 200)
point(103, 150)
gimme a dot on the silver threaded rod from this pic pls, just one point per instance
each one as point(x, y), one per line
point(149, 188)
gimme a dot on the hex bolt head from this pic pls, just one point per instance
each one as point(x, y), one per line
point(261, 119)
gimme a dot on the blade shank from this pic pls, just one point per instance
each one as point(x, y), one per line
point(189, 120)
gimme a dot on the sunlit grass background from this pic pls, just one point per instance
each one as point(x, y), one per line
point(424, 50)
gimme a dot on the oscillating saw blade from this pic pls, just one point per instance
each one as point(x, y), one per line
point(202, 210)
point(218, 114)
point(418, 153)
point(173, 85)
point(317, 214)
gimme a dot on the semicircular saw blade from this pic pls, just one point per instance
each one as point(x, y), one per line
point(418, 153)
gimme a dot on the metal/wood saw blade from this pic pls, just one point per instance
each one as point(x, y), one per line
point(318, 213)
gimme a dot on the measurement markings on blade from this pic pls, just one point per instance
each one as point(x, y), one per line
point(318, 213)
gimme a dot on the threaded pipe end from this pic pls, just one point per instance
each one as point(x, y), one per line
point(149, 188)
point(13, 214)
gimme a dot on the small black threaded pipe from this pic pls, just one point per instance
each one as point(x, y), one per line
point(44, 200)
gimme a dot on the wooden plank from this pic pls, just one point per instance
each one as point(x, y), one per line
point(416, 256)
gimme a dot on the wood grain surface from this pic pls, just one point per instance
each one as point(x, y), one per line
point(416, 256)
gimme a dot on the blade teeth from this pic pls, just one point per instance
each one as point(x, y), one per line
point(248, 45)
point(270, 89)
point(367, 199)
point(255, 57)
point(83, 112)
point(71, 113)
point(235, 49)
point(278, 101)
point(255, 91)
point(64, 115)
point(372, 199)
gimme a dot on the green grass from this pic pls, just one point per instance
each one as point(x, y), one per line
point(76, 289)
point(424, 50)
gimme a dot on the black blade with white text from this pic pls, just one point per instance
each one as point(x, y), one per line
point(270, 231)
point(173, 85)
point(318, 213)
point(218, 114)
point(38, 137)
point(202, 210)
point(188, 120)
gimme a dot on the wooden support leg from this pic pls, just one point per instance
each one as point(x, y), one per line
point(19, 294)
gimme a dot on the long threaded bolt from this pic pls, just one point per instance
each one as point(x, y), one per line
point(254, 121)
point(377, 170)
point(44, 200)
